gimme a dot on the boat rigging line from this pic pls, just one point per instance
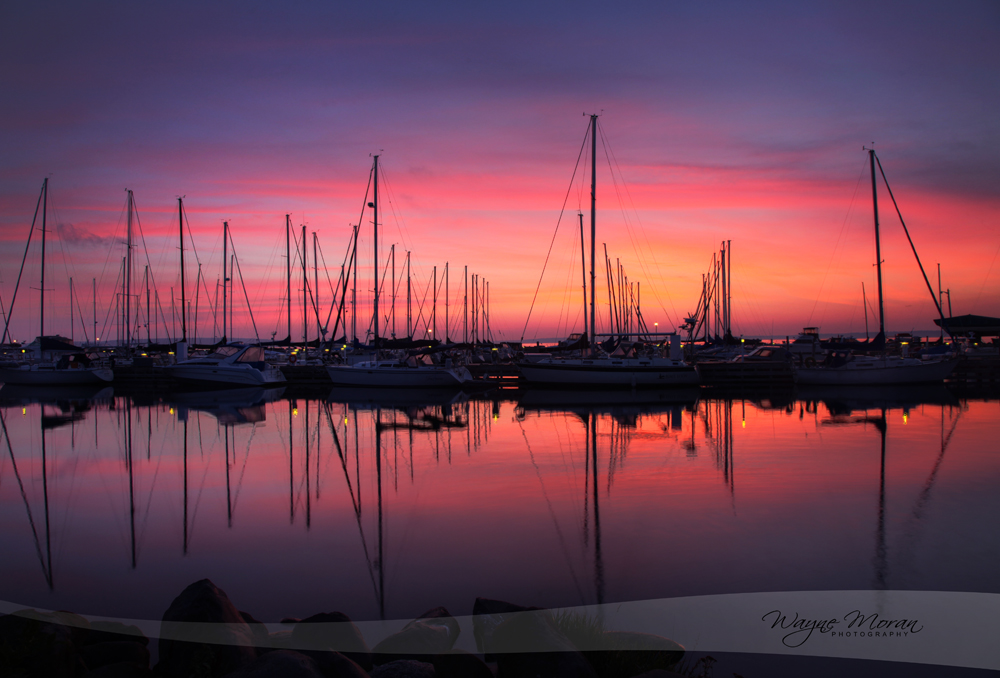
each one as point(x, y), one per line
point(562, 211)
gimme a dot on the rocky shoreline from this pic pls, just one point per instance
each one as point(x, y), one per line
point(204, 635)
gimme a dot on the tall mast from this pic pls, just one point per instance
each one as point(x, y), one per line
point(225, 277)
point(288, 271)
point(375, 212)
point(149, 320)
point(319, 325)
point(392, 253)
point(593, 220)
point(465, 307)
point(446, 333)
point(354, 291)
point(878, 245)
point(120, 309)
point(45, 205)
point(180, 220)
point(409, 325)
point(724, 293)
point(128, 275)
point(583, 272)
point(434, 306)
point(729, 287)
point(305, 293)
point(71, 309)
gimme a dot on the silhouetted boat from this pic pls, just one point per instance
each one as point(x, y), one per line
point(412, 372)
point(53, 360)
point(232, 365)
point(765, 364)
point(610, 371)
point(849, 369)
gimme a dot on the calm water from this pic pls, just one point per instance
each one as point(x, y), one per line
point(379, 509)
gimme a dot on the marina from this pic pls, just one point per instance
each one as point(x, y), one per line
point(395, 340)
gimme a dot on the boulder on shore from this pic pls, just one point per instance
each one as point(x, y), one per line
point(432, 633)
point(529, 644)
point(332, 631)
point(202, 632)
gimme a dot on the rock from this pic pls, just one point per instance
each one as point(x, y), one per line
point(527, 644)
point(335, 664)
point(334, 631)
point(120, 670)
point(660, 673)
point(261, 637)
point(36, 643)
point(97, 655)
point(624, 654)
point(441, 617)
point(487, 614)
point(202, 633)
point(432, 633)
point(112, 631)
point(280, 640)
point(404, 668)
point(460, 664)
point(279, 664)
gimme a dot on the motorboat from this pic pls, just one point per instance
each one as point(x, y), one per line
point(234, 364)
point(411, 372)
point(55, 362)
point(765, 364)
point(841, 367)
point(609, 371)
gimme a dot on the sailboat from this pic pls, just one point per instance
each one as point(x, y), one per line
point(412, 372)
point(841, 367)
point(607, 371)
point(53, 360)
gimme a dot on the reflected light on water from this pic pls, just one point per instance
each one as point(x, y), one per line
point(384, 509)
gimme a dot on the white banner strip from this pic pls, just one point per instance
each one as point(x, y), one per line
point(926, 627)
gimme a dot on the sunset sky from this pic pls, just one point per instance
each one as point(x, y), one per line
point(726, 121)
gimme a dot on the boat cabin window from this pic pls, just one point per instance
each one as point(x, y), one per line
point(254, 354)
point(224, 351)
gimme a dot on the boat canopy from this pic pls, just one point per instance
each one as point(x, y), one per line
point(978, 325)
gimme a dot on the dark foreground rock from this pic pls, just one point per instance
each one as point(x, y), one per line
point(432, 633)
point(279, 664)
point(624, 654)
point(41, 643)
point(487, 614)
point(404, 668)
point(529, 644)
point(202, 633)
point(336, 632)
point(460, 664)
point(98, 655)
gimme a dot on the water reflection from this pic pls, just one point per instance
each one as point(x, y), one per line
point(546, 498)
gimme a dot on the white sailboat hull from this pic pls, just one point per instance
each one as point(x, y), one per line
point(235, 375)
point(876, 371)
point(395, 376)
point(45, 375)
point(609, 373)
